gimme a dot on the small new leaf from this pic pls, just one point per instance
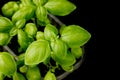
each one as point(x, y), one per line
point(33, 73)
point(50, 76)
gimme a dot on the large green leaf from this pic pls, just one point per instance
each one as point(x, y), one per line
point(10, 8)
point(7, 64)
point(5, 24)
point(60, 7)
point(75, 35)
point(37, 52)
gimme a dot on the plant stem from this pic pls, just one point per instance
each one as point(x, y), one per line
point(56, 19)
point(10, 51)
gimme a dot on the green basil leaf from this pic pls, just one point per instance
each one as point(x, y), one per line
point(5, 24)
point(60, 7)
point(39, 2)
point(27, 2)
point(1, 76)
point(77, 51)
point(59, 48)
point(33, 73)
point(75, 35)
point(50, 32)
point(4, 39)
point(20, 23)
point(13, 31)
point(50, 76)
point(10, 8)
point(37, 52)
point(31, 29)
point(26, 12)
point(18, 76)
point(41, 13)
point(23, 69)
point(68, 60)
point(7, 64)
point(43, 23)
point(40, 35)
point(20, 60)
point(67, 68)
point(23, 39)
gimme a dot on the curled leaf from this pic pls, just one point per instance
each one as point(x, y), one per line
point(37, 52)
point(7, 64)
point(5, 24)
point(4, 39)
point(33, 73)
point(60, 7)
point(50, 32)
point(10, 8)
point(75, 35)
point(31, 29)
point(50, 76)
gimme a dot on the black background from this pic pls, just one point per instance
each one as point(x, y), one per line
point(85, 16)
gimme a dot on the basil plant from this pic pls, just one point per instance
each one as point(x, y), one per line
point(39, 40)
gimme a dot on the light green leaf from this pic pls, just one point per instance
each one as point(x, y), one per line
point(50, 76)
point(40, 35)
point(5, 24)
point(20, 23)
point(59, 48)
point(75, 35)
point(23, 39)
point(31, 29)
point(18, 76)
point(39, 2)
point(37, 52)
point(1, 76)
point(50, 32)
point(10, 8)
point(77, 51)
point(60, 7)
point(26, 12)
point(41, 13)
point(33, 73)
point(4, 39)
point(7, 64)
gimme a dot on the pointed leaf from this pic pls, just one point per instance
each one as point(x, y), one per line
point(60, 7)
point(50, 76)
point(7, 64)
point(75, 35)
point(5, 24)
point(37, 52)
